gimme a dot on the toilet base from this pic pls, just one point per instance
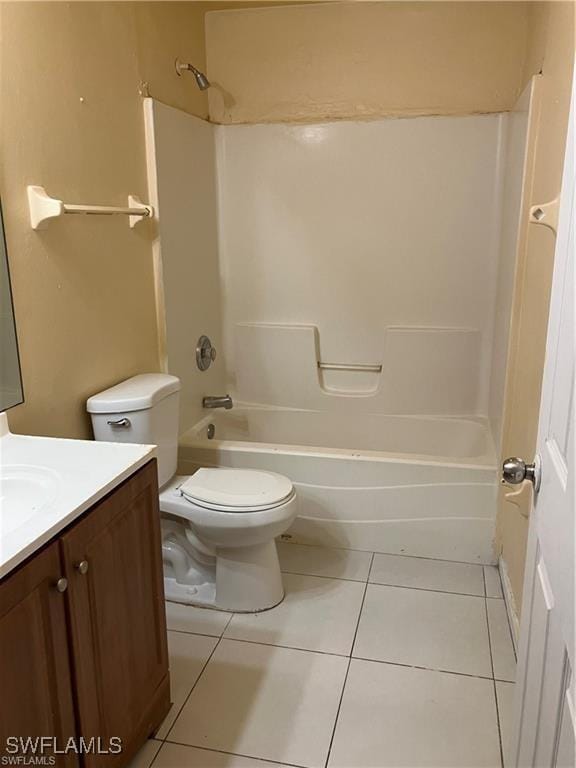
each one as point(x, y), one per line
point(202, 595)
point(248, 579)
point(238, 579)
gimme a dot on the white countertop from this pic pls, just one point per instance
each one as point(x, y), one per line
point(60, 479)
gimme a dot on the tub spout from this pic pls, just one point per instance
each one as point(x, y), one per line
point(217, 402)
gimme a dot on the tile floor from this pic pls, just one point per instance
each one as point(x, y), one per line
point(371, 660)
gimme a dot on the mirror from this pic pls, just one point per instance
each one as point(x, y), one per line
point(10, 379)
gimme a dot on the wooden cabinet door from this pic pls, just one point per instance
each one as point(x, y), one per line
point(35, 680)
point(117, 617)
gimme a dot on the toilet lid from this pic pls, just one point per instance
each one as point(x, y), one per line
point(236, 488)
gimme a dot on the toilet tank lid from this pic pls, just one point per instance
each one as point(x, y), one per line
point(135, 394)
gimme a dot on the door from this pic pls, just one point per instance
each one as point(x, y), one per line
point(544, 731)
point(35, 682)
point(113, 563)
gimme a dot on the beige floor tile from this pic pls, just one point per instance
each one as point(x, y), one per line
point(266, 702)
point(200, 621)
point(421, 573)
point(147, 753)
point(317, 614)
point(396, 717)
point(324, 561)
point(493, 585)
point(505, 696)
point(428, 629)
point(179, 756)
point(187, 654)
point(501, 641)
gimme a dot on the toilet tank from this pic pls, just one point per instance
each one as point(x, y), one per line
point(143, 409)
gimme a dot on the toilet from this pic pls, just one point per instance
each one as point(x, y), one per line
point(219, 524)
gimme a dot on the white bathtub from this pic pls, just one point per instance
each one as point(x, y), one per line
point(421, 486)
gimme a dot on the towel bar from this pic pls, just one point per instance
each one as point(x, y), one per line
point(43, 208)
point(362, 368)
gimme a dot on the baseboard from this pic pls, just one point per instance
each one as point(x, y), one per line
point(510, 602)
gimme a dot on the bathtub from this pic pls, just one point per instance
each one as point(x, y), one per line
point(411, 485)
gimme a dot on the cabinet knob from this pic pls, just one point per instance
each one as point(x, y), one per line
point(82, 567)
point(62, 585)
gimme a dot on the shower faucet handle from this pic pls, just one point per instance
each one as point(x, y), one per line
point(205, 353)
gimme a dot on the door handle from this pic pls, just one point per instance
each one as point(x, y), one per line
point(515, 471)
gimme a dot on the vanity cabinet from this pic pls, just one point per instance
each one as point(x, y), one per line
point(35, 676)
point(91, 660)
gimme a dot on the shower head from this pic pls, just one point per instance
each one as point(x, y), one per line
point(201, 80)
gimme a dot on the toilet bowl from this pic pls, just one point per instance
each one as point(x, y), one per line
point(218, 537)
point(218, 525)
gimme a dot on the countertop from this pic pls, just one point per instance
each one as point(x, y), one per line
point(60, 479)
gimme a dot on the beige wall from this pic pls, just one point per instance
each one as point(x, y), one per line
point(365, 59)
point(72, 122)
point(551, 45)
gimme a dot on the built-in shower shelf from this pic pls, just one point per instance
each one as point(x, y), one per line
point(43, 208)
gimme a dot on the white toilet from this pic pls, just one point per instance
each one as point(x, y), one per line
point(218, 525)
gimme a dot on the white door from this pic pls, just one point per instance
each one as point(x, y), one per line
point(544, 732)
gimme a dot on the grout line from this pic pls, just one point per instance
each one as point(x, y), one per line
point(426, 589)
point(501, 595)
point(194, 634)
point(424, 669)
point(363, 658)
point(488, 629)
point(280, 540)
point(349, 663)
point(370, 567)
point(492, 665)
point(160, 745)
point(385, 584)
point(192, 688)
point(287, 647)
point(361, 608)
point(510, 632)
point(390, 554)
point(228, 624)
point(235, 754)
point(318, 576)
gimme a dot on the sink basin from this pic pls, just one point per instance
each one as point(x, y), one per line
point(47, 482)
point(25, 491)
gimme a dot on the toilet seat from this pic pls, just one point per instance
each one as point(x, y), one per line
point(236, 490)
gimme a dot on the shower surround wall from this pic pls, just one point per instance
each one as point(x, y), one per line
point(374, 243)
point(361, 243)
point(180, 151)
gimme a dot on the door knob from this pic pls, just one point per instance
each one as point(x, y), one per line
point(82, 567)
point(515, 471)
point(62, 585)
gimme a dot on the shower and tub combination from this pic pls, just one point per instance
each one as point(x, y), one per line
point(398, 484)
point(356, 278)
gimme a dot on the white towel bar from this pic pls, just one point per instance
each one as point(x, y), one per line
point(43, 208)
point(363, 368)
